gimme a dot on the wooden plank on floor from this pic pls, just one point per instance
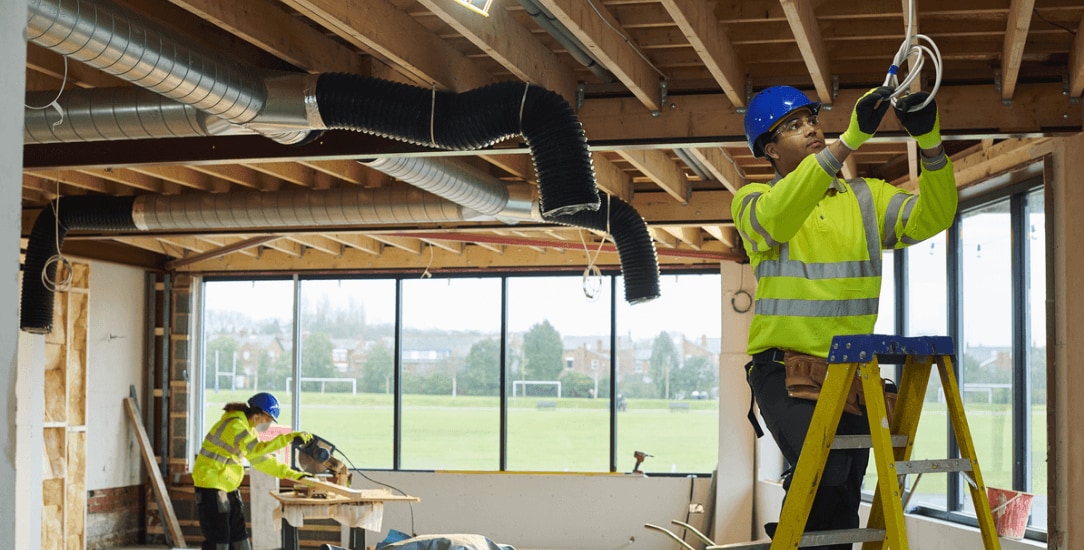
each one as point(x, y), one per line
point(176, 537)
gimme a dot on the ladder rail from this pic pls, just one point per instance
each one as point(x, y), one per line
point(813, 456)
point(888, 486)
point(966, 446)
point(912, 394)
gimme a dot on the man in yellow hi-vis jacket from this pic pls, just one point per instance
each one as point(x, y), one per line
point(219, 468)
point(814, 242)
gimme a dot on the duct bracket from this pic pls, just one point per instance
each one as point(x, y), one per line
point(662, 98)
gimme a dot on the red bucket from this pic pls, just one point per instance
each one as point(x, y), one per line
point(1011, 510)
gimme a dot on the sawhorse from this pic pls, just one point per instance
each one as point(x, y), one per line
point(891, 440)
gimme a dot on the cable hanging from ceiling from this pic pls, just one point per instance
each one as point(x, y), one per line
point(914, 49)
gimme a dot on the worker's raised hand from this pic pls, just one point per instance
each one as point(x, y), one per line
point(866, 117)
point(305, 437)
point(924, 124)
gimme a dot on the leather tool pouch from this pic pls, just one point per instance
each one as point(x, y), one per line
point(805, 375)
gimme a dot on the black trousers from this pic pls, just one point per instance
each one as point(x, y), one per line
point(840, 493)
point(221, 518)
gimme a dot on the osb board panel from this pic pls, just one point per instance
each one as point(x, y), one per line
point(77, 317)
point(59, 334)
point(56, 383)
point(80, 275)
point(77, 387)
point(75, 498)
point(54, 462)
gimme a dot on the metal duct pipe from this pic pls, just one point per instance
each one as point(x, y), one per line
point(134, 49)
point(572, 45)
point(462, 184)
point(251, 210)
point(108, 114)
point(124, 44)
point(301, 208)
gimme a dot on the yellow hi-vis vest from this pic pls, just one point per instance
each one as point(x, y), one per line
point(219, 464)
point(815, 244)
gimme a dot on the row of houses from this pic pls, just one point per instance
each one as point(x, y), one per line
point(427, 353)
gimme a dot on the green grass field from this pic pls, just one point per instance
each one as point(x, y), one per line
point(462, 433)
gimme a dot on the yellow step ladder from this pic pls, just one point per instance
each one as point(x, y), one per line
point(891, 440)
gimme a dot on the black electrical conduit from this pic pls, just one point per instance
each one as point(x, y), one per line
point(464, 121)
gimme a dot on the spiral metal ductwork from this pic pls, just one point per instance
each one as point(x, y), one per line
point(108, 114)
point(215, 96)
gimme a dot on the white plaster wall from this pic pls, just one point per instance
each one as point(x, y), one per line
point(29, 421)
point(13, 74)
point(542, 511)
point(115, 357)
point(734, 506)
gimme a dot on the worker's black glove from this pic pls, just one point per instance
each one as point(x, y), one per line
point(866, 117)
point(924, 124)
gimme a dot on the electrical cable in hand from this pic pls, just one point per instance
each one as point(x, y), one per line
point(912, 46)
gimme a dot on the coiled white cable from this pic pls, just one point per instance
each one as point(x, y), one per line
point(912, 45)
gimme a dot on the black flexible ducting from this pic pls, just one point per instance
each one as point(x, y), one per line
point(472, 120)
point(46, 240)
point(464, 121)
point(635, 248)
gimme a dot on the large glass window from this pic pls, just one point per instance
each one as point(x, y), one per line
point(984, 283)
point(450, 364)
point(1034, 399)
point(247, 344)
point(559, 375)
point(985, 347)
point(668, 376)
point(927, 315)
point(347, 363)
point(407, 373)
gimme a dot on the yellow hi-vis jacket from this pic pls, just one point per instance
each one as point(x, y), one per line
point(219, 462)
point(815, 244)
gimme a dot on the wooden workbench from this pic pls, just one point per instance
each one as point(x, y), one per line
point(358, 509)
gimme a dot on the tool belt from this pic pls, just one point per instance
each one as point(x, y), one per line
point(805, 375)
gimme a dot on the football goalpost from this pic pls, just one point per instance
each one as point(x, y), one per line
point(517, 384)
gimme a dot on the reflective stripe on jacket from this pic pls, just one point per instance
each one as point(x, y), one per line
point(220, 461)
point(815, 244)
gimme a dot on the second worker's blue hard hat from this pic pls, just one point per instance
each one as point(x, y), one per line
point(266, 402)
point(768, 108)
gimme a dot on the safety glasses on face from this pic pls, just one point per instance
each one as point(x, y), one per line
point(794, 125)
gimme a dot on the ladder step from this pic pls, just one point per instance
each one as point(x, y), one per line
point(933, 466)
point(841, 536)
point(864, 441)
point(813, 538)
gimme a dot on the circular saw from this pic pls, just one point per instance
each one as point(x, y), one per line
point(317, 457)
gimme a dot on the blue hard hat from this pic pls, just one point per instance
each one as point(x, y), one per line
point(266, 402)
point(770, 106)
